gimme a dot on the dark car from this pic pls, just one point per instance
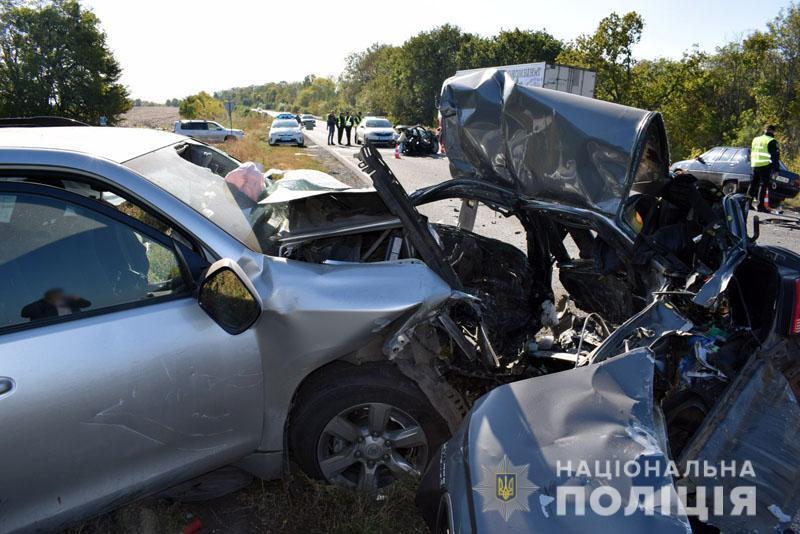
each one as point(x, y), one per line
point(692, 399)
point(419, 141)
point(729, 168)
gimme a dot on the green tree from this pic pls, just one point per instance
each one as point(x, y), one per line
point(520, 46)
point(54, 60)
point(608, 52)
point(200, 106)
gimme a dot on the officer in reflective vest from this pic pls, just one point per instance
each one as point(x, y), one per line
point(348, 126)
point(340, 127)
point(765, 162)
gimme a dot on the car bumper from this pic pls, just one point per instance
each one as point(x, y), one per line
point(380, 140)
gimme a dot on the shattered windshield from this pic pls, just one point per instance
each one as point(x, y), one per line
point(258, 214)
point(194, 174)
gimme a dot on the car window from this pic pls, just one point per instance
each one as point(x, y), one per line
point(726, 155)
point(61, 259)
point(712, 155)
point(378, 123)
point(285, 124)
point(188, 126)
point(214, 126)
point(740, 155)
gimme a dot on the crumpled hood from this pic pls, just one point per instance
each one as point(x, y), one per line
point(550, 145)
point(595, 414)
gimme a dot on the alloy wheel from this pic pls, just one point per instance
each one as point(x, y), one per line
point(369, 446)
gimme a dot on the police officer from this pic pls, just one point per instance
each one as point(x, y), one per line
point(348, 126)
point(340, 127)
point(765, 161)
point(331, 127)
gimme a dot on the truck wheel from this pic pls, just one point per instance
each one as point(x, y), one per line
point(730, 187)
point(362, 427)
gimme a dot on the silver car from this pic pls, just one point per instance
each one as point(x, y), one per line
point(157, 323)
point(377, 131)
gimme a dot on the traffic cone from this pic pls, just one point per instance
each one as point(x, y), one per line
point(766, 198)
point(396, 152)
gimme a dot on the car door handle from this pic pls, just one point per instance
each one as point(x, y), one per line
point(6, 385)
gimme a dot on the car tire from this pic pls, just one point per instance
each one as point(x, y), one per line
point(435, 147)
point(730, 187)
point(348, 415)
point(301, 145)
point(230, 138)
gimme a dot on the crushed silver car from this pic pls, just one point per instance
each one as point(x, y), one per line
point(685, 416)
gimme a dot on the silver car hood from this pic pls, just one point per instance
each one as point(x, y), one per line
point(549, 145)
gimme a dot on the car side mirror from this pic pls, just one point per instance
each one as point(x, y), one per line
point(227, 295)
point(700, 159)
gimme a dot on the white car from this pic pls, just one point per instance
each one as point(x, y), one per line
point(286, 131)
point(376, 131)
point(207, 131)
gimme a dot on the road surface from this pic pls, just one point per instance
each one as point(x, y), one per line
point(416, 172)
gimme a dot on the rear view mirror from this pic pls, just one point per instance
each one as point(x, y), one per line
point(227, 296)
point(700, 159)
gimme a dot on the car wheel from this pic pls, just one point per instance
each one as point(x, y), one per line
point(358, 141)
point(435, 147)
point(230, 138)
point(362, 427)
point(730, 187)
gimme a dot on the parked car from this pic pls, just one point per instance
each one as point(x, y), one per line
point(703, 375)
point(286, 131)
point(376, 131)
point(729, 168)
point(419, 141)
point(207, 131)
point(309, 121)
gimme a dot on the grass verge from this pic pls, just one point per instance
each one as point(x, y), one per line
point(254, 147)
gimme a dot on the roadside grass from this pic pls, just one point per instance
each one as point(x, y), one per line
point(293, 506)
point(254, 147)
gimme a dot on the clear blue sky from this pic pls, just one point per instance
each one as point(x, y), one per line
point(172, 48)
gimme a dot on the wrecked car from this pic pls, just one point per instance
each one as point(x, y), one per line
point(671, 403)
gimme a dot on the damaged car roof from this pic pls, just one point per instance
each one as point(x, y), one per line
point(550, 145)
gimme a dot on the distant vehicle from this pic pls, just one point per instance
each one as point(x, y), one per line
point(729, 168)
point(286, 131)
point(309, 121)
point(376, 131)
point(419, 141)
point(207, 131)
point(286, 116)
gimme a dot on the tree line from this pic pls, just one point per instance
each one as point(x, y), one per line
point(707, 98)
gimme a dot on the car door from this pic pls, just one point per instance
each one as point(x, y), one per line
point(114, 383)
point(216, 133)
point(722, 165)
point(702, 168)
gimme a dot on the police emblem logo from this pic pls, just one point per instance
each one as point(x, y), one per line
point(505, 489)
point(506, 486)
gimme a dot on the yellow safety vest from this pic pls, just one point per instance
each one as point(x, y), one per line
point(759, 152)
point(348, 122)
